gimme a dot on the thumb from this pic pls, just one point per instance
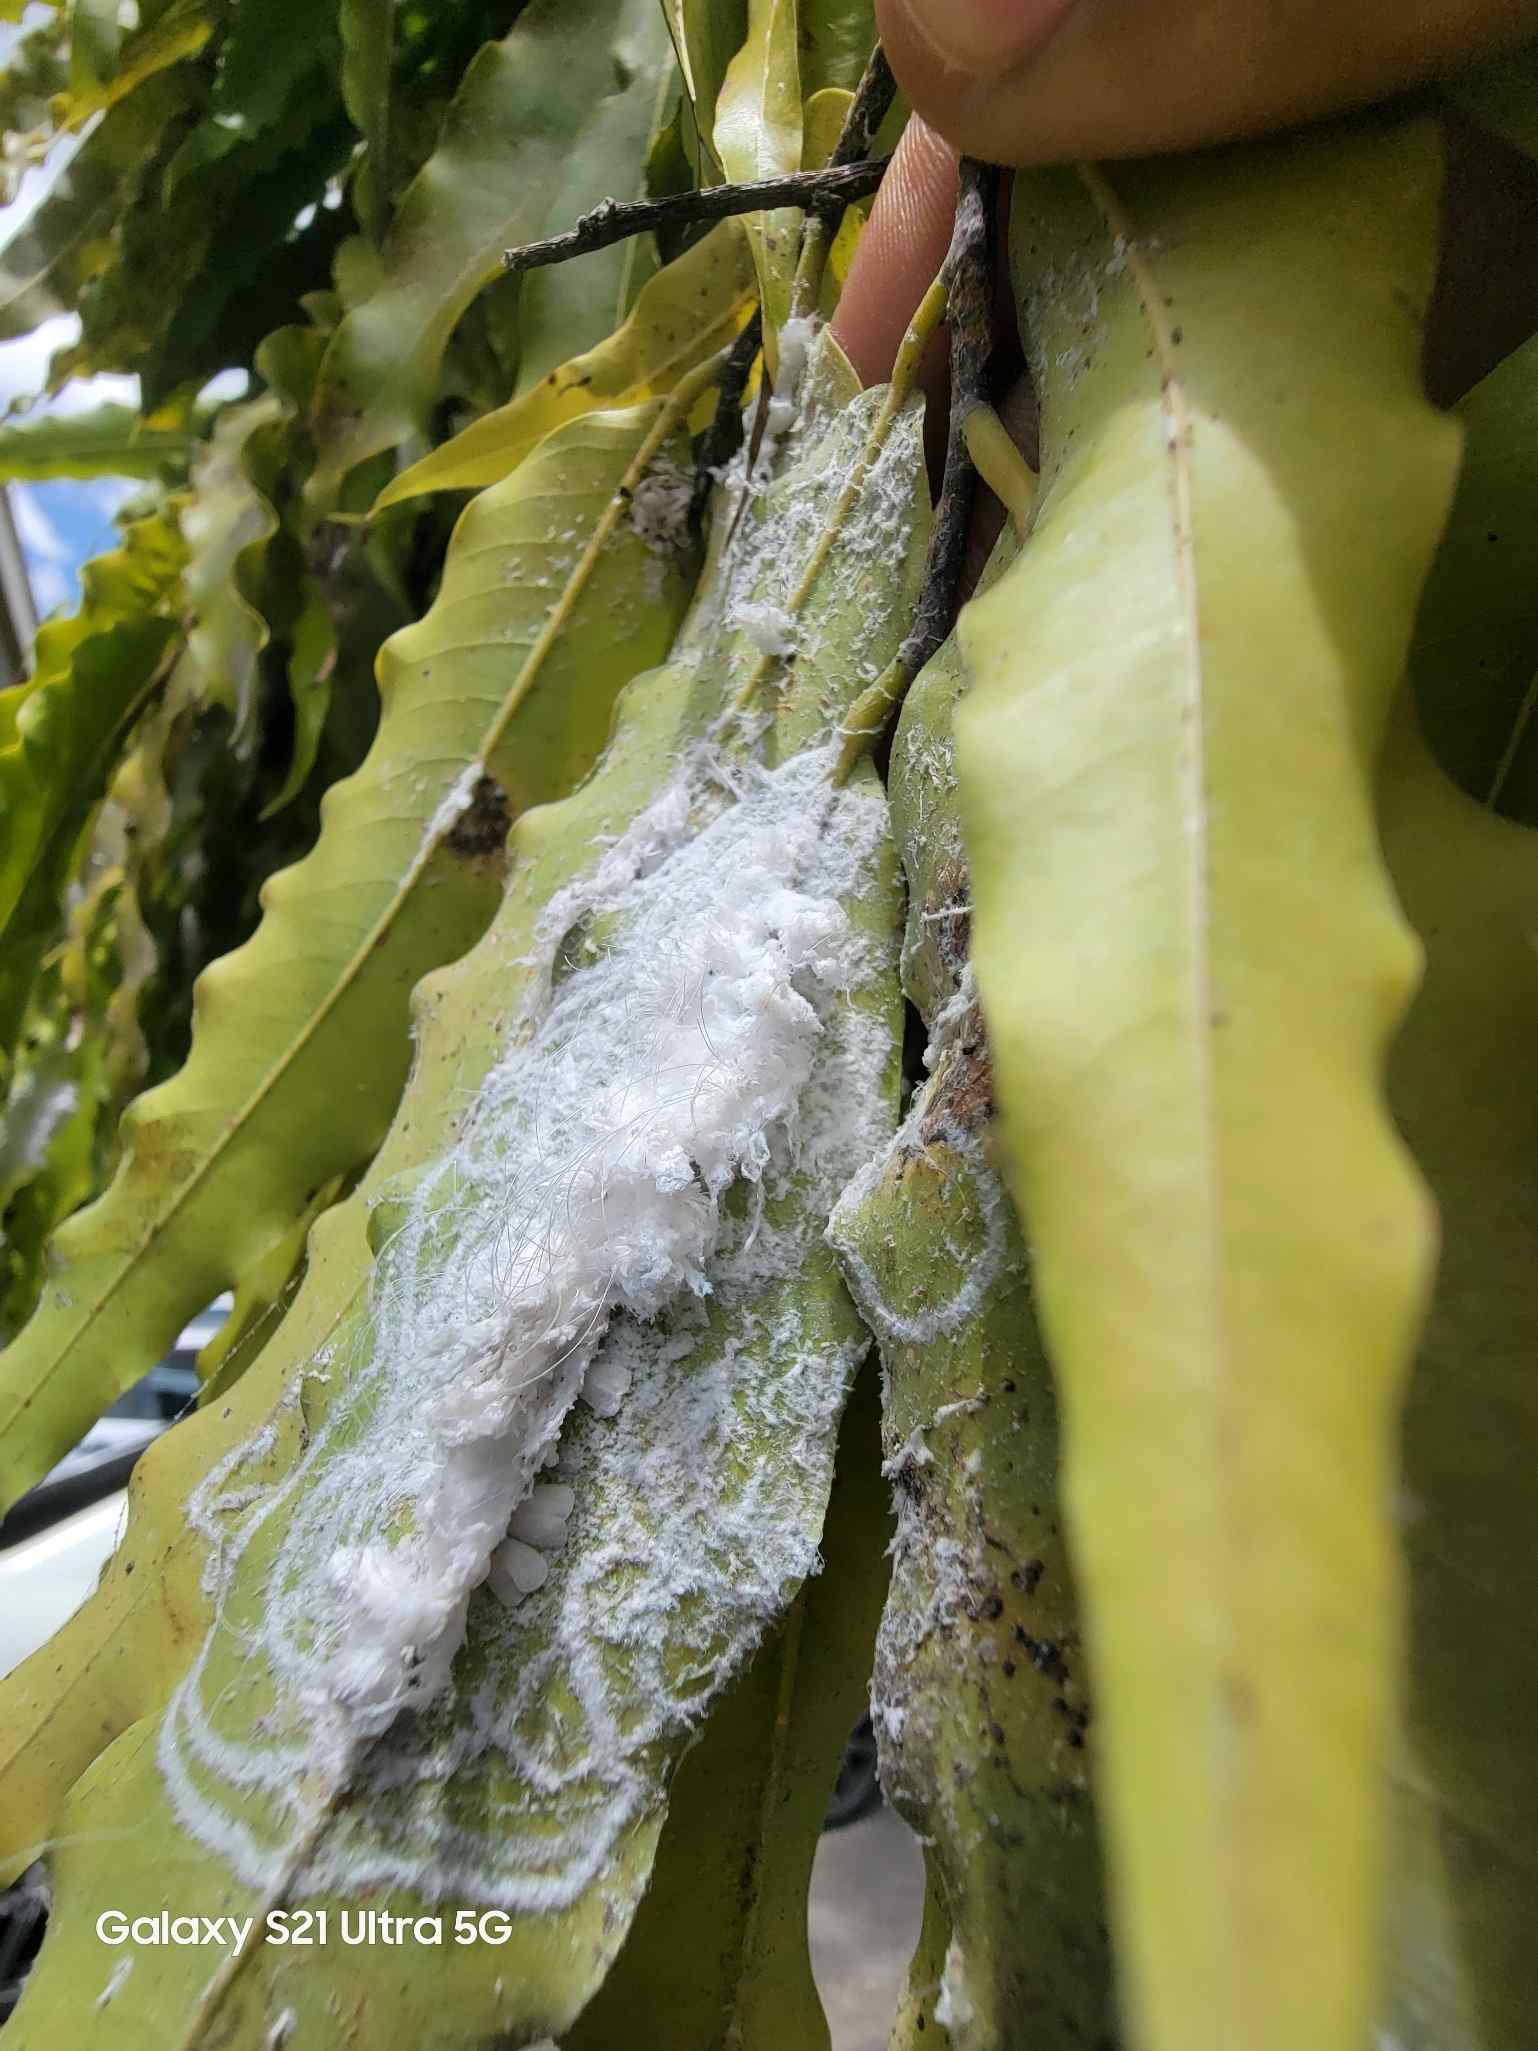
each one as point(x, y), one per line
point(1038, 81)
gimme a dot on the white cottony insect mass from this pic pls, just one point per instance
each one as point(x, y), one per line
point(490, 1610)
point(592, 1179)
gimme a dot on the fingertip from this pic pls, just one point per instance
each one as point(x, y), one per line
point(902, 248)
point(957, 61)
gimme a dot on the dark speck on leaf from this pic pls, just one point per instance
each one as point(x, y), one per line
point(482, 827)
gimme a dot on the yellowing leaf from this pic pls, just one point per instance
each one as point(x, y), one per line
point(757, 134)
point(1190, 960)
point(682, 316)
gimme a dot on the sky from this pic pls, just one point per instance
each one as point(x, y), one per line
point(62, 523)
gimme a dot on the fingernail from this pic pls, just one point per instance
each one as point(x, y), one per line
point(984, 35)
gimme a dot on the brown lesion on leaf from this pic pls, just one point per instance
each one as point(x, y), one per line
point(479, 834)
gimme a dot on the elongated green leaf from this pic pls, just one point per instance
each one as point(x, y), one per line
point(980, 1698)
point(97, 85)
point(1475, 653)
point(567, 308)
point(95, 36)
point(1460, 1077)
point(706, 34)
point(80, 1054)
point(684, 314)
point(269, 57)
point(36, 68)
point(62, 733)
point(497, 700)
point(108, 441)
point(730, 1410)
point(53, 256)
point(719, 1943)
point(837, 37)
point(1503, 97)
point(1180, 691)
point(311, 663)
point(226, 524)
point(757, 134)
point(235, 254)
point(507, 153)
point(368, 42)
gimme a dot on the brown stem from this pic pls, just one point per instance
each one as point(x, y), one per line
point(968, 276)
point(723, 437)
point(967, 281)
point(868, 109)
point(614, 220)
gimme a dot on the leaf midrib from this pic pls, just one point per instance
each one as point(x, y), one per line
point(1179, 436)
point(555, 620)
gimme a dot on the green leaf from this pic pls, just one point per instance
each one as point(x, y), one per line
point(80, 1054)
point(368, 45)
point(1460, 1082)
point(107, 441)
point(1503, 97)
point(95, 36)
point(706, 35)
point(226, 524)
point(767, 1350)
point(272, 59)
point(570, 307)
point(837, 37)
point(719, 1943)
point(47, 1147)
point(36, 70)
point(1475, 654)
point(63, 732)
point(311, 661)
point(301, 1039)
point(683, 315)
point(980, 1698)
point(507, 151)
point(1180, 691)
point(757, 134)
point(67, 241)
point(178, 33)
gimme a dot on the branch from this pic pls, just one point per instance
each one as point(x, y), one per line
point(723, 437)
point(966, 278)
point(968, 275)
point(868, 109)
point(816, 192)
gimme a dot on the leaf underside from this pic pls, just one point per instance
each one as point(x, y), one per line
point(1180, 689)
